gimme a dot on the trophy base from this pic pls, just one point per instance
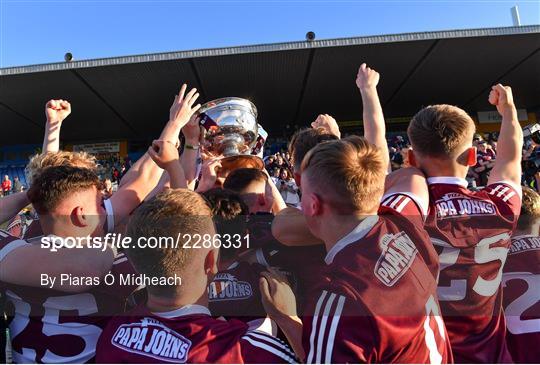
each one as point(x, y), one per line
point(232, 163)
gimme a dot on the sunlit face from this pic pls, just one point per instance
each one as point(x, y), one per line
point(284, 175)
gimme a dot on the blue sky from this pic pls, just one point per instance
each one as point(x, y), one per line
point(41, 31)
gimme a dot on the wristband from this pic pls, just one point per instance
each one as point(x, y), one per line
point(191, 147)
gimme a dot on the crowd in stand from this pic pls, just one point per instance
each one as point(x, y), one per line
point(353, 249)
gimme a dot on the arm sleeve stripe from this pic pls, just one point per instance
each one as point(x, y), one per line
point(333, 328)
point(403, 204)
point(322, 328)
point(272, 340)
point(10, 247)
point(314, 327)
point(270, 349)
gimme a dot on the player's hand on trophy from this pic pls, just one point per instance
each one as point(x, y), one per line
point(366, 78)
point(56, 110)
point(277, 296)
point(328, 124)
point(164, 154)
point(183, 106)
point(501, 97)
point(209, 173)
point(192, 131)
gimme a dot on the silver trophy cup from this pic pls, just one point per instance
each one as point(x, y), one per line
point(231, 133)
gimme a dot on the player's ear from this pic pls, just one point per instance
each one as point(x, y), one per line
point(78, 217)
point(211, 262)
point(471, 156)
point(412, 158)
point(316, 205)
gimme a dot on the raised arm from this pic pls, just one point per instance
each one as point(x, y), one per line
point(165, 155)
point(55, 111)
point(410, 181)
point(11, 205)
point(374, 127)
point(191, 154)
point(142, 178)
point(510, 145)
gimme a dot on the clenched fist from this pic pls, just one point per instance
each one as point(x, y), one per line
point(366, 78)
point(164, 154)
point(328, 123)
point(56, 110)
point(501, 97)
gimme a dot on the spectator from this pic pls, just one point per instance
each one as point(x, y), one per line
point(6, 185)
point(275, 175)
point(17, 186)
point(107, 188)
point(485, 161)
point(288, 188)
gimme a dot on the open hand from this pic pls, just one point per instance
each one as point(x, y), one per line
point(182, 108)
point(56, 110)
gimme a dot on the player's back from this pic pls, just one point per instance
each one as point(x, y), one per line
point(378, 302)
point(521, 298)
point(49, 326)
point(186, 335)
point(471, 232)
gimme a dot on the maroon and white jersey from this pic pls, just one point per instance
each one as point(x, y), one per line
point(26, 227)
point(49, 326)
point(521, 293)
point(471, 232)
point(186, 335)
point(234, 293)
point(378, 302)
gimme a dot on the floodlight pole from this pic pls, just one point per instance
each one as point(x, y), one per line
point(515, 16)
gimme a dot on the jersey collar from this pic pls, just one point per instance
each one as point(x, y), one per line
point(450, 180)
point(356, 234)
point(184, 311)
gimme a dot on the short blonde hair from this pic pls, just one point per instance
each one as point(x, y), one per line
point(174, 213)
point(61, 158)
point(349, 174)
point(441, 131)
point(530, 208)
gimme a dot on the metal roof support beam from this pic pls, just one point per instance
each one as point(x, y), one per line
point(496, 81)
point(304, 85)
point(111, 108)
point(415, 68)
point(40, 126)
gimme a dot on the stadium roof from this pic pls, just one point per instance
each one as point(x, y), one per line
point(290, 83)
